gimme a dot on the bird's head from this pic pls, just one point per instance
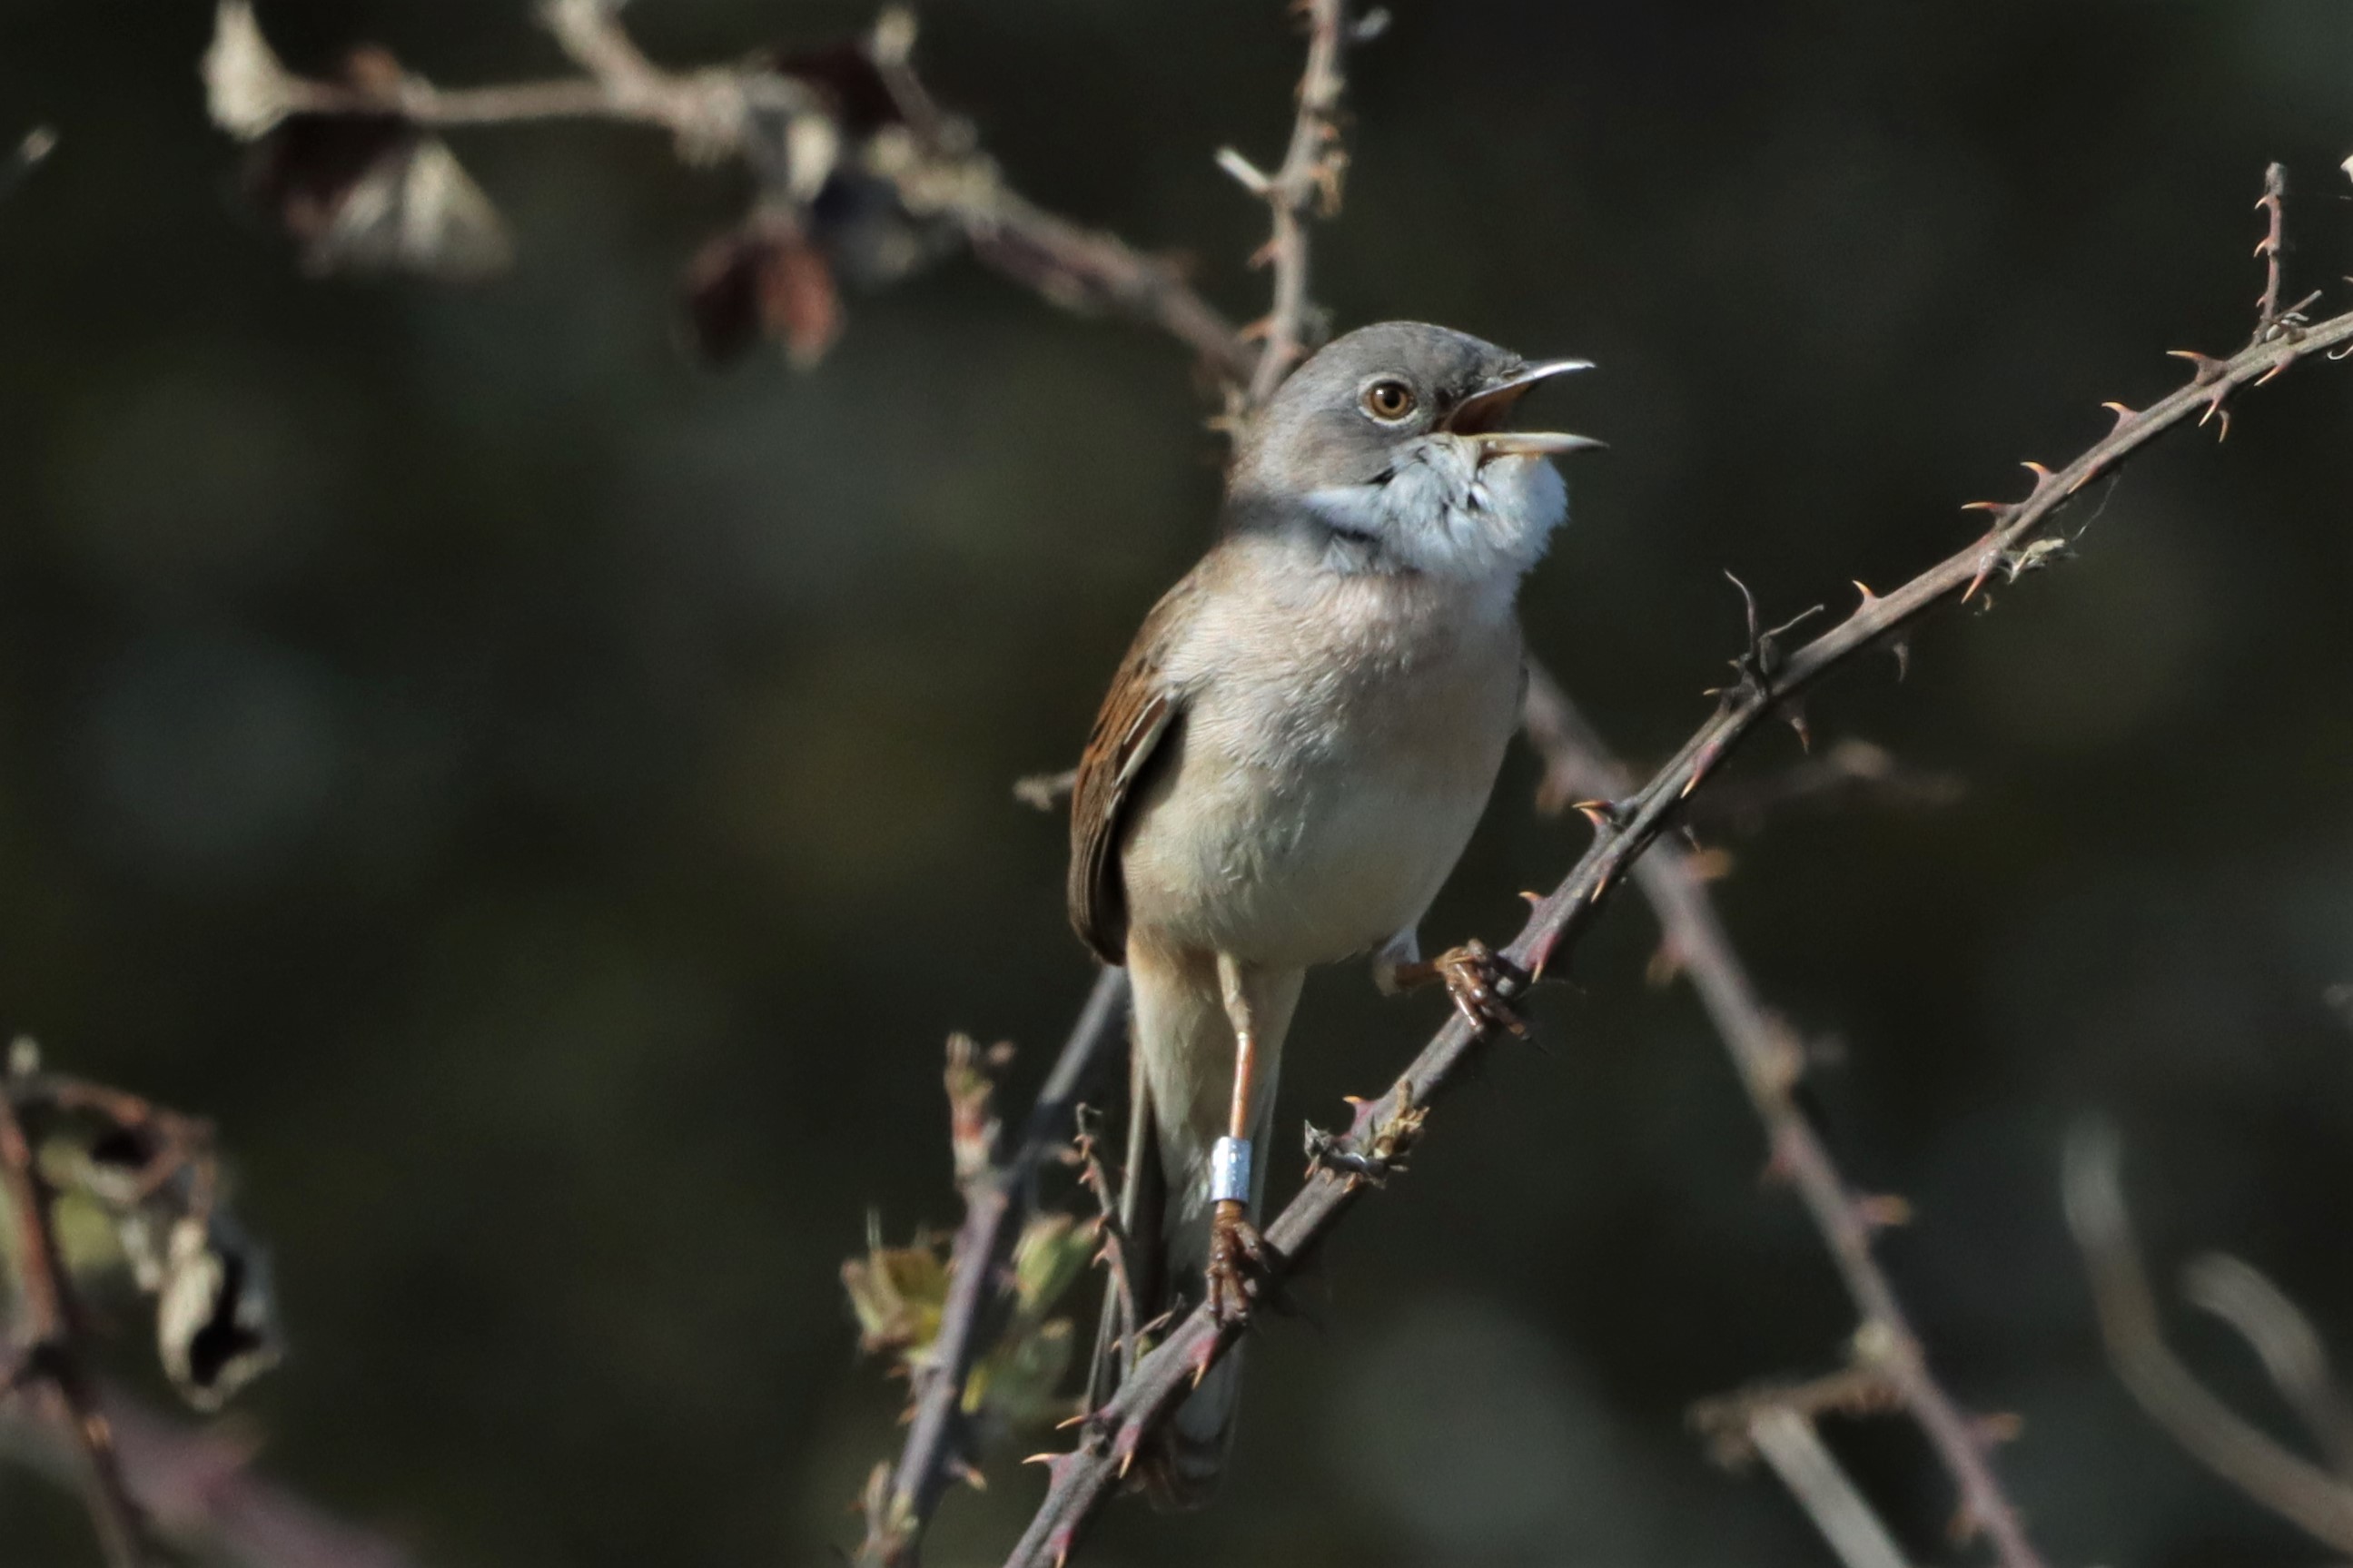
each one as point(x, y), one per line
point(1391, 448)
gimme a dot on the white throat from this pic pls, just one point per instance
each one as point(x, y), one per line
point(1441, 510)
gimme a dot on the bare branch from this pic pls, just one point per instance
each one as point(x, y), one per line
point(2284, 1338)
point(2216, 1435)
point(1789, 1443)
point(1770, 1063)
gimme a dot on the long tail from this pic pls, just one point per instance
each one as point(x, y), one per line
point(1180, 1090)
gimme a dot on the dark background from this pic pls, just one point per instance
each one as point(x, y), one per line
point(549, 800)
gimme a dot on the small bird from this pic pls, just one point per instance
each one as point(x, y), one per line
point(1289, 764)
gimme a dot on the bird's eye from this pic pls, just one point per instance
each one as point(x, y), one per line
point(1389, 400)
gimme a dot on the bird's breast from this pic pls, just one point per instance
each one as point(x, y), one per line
point(1327, 771)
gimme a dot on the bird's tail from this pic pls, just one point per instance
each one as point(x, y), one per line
point(1180, 1078)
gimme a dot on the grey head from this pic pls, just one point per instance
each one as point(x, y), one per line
point(1388, 451)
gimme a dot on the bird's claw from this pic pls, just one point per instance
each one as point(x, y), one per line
point(1475, 976)
point(1238, 1263)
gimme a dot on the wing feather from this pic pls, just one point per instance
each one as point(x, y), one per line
point(1140, 710)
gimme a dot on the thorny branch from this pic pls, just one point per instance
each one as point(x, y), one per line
point(1307, 183)
point(49, 1362)
point(934, 169)
point(2305, 1494)
point(1770, 1062)
point(1385, 1127)
point(998, 1186)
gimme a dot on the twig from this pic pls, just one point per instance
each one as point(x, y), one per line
point(1114, 1256)
point(1770, 1063)
point(52, 1356)
point(1851, 772)
point(2216, 1435)
point(1307, 182)
point(2283, 1339)
point(1789, 1443)
point(2267, 304)
point(1852, 1390)
point(1080, 1480)
point(997, 1195)
point(717, 113)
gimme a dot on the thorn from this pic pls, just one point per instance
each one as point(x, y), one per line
point(1045, 1460)
point(1079, 1420)
point(1666, 962)
point(962, 1469)
point(1794, 715)
point(1986, 564)
point(2207, 368)
point(1902, 648)
point(1868, 598)
point(2042, 475)
point(1533, 898)
point(1992, 505)
point(2125, 414)
point(2285, 360)
point(1883, 1211)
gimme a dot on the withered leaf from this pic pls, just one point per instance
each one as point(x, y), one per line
point(215, 1327)
point(371, 192)
point(762, 280)
point(898, 1294)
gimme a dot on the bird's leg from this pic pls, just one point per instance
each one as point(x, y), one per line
point(1473, 974)
point(1237, 1251)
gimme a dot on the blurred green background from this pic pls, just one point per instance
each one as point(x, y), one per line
point(549, 801)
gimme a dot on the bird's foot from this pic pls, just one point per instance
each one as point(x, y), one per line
point(1238, 1263)
point(1476, 977)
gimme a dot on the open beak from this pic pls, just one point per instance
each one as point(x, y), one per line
point(1479, 417)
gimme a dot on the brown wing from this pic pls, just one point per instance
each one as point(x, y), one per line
point(1136, 717)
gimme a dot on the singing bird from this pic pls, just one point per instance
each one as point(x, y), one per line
point(1287, 767)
